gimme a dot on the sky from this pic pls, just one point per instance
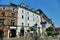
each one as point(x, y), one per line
point(51, 8)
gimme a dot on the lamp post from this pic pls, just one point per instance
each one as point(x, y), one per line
point(43, 24)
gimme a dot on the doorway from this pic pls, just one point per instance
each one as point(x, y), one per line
point(12, 33)
point(22, 32)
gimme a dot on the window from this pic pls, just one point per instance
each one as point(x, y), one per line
point(22, 24)
point(28, 18)
point(3, 13)
point(33, 19)
point(37, 16)
point(22, 11)
point(33, 14)
point(1, 21)
point(13, 20)
point(13, 8)
point(28, 13)
point(22, 16)
point(28, 24)
point(13, 14)
point(12, 23)
point(3, 7)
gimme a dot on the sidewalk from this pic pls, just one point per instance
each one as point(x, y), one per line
point(20, 38)
point(30, 38)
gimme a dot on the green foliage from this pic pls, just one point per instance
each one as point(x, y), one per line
point(50, 31)
point(32, 29)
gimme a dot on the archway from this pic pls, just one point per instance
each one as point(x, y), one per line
point(22, 32)
point(12, 33)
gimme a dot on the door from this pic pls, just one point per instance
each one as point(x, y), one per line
point(22, 32)
point(12, 33)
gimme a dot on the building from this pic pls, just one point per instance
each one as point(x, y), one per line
point(44, 18)
point(27, 18)
point(8, 17)
point(17, 19)
point(57, 29)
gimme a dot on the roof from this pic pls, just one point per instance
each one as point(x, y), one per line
point(44, 16)
point(16, 6)
point(57, 29)
point(41, 12)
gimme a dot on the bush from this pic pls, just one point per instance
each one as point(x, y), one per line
point(32, 29)
point(50, 31)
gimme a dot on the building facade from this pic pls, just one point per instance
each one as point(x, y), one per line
point(17, 19)
point(27, 18)
point(44, 18)
point(8, 18)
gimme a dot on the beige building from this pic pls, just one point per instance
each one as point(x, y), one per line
point(8, 17)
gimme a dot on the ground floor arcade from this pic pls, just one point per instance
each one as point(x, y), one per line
point(13, 31)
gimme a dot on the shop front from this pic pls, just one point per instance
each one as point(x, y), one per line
point(12, 32)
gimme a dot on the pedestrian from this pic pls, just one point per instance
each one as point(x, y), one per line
point(1, 35)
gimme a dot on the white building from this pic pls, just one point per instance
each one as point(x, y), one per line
point(27, 18)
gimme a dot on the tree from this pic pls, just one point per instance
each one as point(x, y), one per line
point(50, 31)
point(32, 29)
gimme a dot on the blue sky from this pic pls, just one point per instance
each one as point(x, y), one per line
point(50, 7)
